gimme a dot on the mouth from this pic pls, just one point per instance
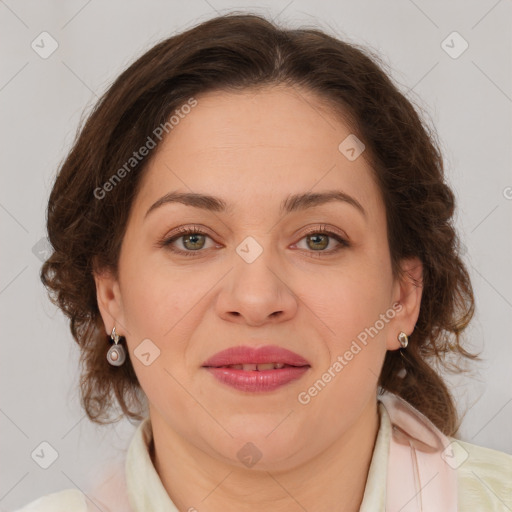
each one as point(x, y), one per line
point(269, 357)
point(256, 370)
point(252, 367)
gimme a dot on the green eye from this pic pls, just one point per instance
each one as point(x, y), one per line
point(317, 241)
point(321, 242)
point(193, 241)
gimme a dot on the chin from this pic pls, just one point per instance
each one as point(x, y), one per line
point(262, 444)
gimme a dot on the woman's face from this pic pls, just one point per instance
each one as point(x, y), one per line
point(259, 272)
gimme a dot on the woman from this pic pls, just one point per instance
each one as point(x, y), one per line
point(253, 241)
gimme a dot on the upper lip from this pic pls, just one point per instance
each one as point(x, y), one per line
point(260, 355)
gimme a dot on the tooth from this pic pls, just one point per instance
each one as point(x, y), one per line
point(249, 366)
point(237, 367)
point(278, 365)
point(266, 366)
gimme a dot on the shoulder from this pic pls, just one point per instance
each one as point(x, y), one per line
point(485, 477)
point(70, 500)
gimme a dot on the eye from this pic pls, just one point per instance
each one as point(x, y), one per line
point(192, 240)
point(317, 240)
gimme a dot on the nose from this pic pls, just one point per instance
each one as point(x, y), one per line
point(256, 292)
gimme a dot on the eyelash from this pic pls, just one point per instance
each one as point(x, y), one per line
point(167, 242)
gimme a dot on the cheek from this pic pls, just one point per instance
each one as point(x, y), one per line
point(356, 347)
point(356, 306)
point(351, 298)
point(161, 305)
point(164, 305)
point(157, 296)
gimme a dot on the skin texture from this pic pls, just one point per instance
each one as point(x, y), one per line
point(253, 150)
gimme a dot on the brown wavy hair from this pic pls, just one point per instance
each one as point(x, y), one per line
point(236, 52)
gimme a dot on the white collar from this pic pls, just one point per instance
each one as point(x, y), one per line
point(146, 491)
point(407, 471)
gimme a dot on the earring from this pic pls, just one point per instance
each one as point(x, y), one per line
point(403, 339)
point(116, 354)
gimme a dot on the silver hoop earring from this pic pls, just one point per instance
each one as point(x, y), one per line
point(403, 339)
point(116, 355)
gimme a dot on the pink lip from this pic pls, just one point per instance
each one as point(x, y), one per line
point(248, 355)
point(256, 380)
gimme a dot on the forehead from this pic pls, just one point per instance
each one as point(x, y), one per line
point(254, 145)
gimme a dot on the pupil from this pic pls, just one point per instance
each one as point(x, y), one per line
point(320, 236)
point(190, 238)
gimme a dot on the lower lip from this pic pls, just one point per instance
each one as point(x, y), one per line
point(254, 381)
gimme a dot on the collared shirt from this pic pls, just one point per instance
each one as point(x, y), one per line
point(484, 480)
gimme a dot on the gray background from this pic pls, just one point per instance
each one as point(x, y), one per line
point(468, 99)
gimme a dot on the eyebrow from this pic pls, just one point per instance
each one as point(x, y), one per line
point(293, 203)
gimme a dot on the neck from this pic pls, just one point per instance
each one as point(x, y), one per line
point(333, 480)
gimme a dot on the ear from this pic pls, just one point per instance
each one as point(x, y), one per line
point(407, 295)
point(108, 295)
